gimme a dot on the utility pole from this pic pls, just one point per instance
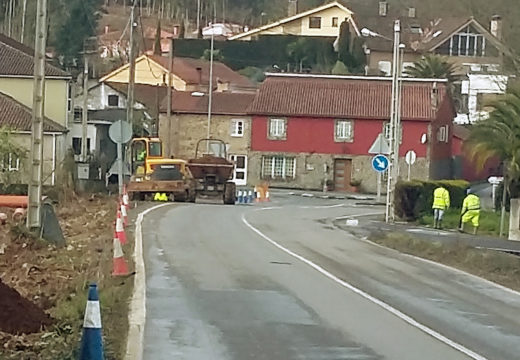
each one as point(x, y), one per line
point(131, 80)
point(169, 97)
point(24, 12)
point(84, 117)
point(198, 18)
point(210, 89)
point(36, 159)
point(394, 128)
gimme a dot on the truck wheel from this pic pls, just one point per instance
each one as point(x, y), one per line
point(230, 193)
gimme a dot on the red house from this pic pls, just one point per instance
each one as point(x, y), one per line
point(311, 129)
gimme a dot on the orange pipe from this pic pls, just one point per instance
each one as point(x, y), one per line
point(13, 201)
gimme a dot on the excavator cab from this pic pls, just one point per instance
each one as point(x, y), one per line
point(142, 150)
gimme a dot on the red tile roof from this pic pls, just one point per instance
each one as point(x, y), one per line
point(223, 103)
point(19, 117)
point(186, 69)
point(362, 98)
point(16, 59)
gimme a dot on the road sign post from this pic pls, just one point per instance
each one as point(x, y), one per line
point(380, 146)
point(410, 158)
point(120, 132)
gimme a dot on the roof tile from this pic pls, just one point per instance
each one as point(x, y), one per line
point(223, 103)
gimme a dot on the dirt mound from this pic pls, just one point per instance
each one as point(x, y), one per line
point(18, 315)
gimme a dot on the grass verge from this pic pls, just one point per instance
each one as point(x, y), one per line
point(501, 268)
point(489, 221)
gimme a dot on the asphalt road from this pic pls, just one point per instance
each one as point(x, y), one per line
point(241, 282)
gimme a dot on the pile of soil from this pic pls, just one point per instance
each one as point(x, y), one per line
point(18, 315)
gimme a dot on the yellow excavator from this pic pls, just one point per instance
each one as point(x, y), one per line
point(152, 173)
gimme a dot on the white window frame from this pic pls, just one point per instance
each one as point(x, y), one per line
point(237, 127)
point(387, 129)
point(443, 134)
point(9, 166)
point(319, 18)
point(277, 128)
point(335, 22)
point(285, 165)
point(343, 130)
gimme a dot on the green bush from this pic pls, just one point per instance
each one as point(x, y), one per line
point(415, 198)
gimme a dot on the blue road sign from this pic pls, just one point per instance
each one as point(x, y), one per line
point(380, 163)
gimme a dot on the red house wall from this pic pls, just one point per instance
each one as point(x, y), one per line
point(469, 171)
point(316, 135)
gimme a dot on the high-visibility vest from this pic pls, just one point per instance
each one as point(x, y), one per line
point(160, 197)
point(471, 202)
point(441, 198)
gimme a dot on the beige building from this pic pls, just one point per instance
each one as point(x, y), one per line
point(323, 21)
point(18, 118)
point(189, 123)
point(187, 74)
point(16, 80)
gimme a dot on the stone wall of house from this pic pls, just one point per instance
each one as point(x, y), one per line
point(181, 136)
point(313, 169)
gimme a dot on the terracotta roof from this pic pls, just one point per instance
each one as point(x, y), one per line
point(19, 117)
point(186, 69)
point(16, 59)
point(143, 93)
point(223, 103)
point(361, 98)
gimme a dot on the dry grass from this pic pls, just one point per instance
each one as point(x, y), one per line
point(495, 266)
point(59, 278)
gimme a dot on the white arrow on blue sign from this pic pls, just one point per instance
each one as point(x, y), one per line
point(380, 163)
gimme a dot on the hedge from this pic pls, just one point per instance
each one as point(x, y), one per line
point(415, 198)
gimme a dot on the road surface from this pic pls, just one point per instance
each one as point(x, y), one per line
point(242, 282)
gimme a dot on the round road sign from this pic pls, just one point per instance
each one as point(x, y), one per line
point(380, 163)
point(120, 132)
point(410, 157)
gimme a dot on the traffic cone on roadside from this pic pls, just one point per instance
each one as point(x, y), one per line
point(120, 267)
point(91, 341)
point(124, 213)
point(126, 198)
point(120, 229)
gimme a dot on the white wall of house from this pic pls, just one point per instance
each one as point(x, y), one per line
point(76, 131)
point(478, 89)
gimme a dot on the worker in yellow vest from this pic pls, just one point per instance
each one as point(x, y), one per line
point(160, 197)
point(470, 211)
point(441, 203)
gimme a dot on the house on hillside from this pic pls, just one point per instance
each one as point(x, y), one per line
point(16, 81)
point(477, 50)
point(187, 74)
point(189, 123)
point(18, 118)
point(323, 21)
point(308, 129)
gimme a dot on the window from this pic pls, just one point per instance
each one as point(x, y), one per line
point(113, 100)
point(76, 145)
point(442, 134)
point(69, 97)
point(383, 8)
point(10, 162)
point(278, 167)
point(334, 22)
point(343, 130)
point(387, 130)
point(467, 42)
point(277, 128)
point(155, 148)
point(315, 22)
point(237, 127)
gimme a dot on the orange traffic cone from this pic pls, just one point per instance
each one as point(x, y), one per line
point(126, 198)
point(124, 213)
point(119, 262)
point(267, 196)
point(120, 230)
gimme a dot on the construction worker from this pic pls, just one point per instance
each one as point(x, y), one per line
point(470, 211)
point(441, 203)
point(160, 197)
point(141, 155)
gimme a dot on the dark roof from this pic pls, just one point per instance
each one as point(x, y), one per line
point(344, 97)
point(16, 59)
point(19, 117)
point(186, 69)
point(223, 103)
point(148, 95)
point(461, 132)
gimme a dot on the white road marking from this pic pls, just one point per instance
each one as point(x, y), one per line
point(369, 297)
point(137, 311)
point(359, 215)
point(322, 206)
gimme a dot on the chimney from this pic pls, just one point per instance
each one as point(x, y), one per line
point(383, 8)
point(107, 29)
point(293, 8)
point(199, 71)
point(496, 26)
point(411, 12)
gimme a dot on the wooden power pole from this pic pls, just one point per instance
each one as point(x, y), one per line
point(36, 159)
point(131, 80)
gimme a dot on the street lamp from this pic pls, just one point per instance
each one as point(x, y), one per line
point(393, 169)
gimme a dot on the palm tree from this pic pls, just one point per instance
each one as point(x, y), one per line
point(433, 67)
point(499, 136)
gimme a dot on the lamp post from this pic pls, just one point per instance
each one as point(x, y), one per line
point(395, 126)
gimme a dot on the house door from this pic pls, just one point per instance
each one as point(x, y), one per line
point(240, 173)
point(342, 174)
